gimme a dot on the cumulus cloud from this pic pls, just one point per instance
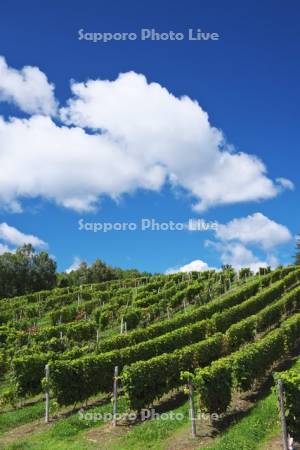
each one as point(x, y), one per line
point(67, 165)
point(174, 133)
point(238, 256)
point(75, 264)
point(116, 137)
point(255, 229)
point(258, 231)
point(27, 88)
point(194, 266)
point(11, 235)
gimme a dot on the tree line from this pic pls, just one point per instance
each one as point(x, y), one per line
point(25, 271)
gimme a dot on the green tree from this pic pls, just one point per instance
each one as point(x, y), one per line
point(97, 272)
point(25, 271)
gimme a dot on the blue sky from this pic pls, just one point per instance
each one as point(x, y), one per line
point(154, 155)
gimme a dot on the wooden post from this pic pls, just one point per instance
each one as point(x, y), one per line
point(282, 416)
point(192, 408)
point(98, 336)
point(122, 325)
point(168, 312)
point(47, 395)
point(61, 336)
point(115, 399)
point(125, 327)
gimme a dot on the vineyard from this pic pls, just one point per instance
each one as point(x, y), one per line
point(187, 343)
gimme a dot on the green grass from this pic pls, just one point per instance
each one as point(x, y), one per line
point(253, 430)
point(260, 425)
point(64, 434)
point(69, 433)
point(151, 434)
point(250, 433)
point(20, 416)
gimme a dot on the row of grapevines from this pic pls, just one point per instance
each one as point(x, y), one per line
point(197, 314)
point(113, 303)
point(69, 303)
point(240, 370)
point(107, 362)
point(291, 382)
point(86, 330)
point(45, 300)
point(28, 370)
point(143, 381)
point(75, 331)
point(167, 342)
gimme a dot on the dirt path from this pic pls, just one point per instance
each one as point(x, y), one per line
point(22, 432)
point(182, 439)
point(105, 435)
point(276, 444)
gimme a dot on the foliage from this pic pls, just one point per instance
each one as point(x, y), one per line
point(291, 383)
point(163, 350)
point(142, 382)
point(214, 384)
point(26, 271)
point(96, 273)
point(248, 365)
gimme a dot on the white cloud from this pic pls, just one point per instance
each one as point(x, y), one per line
point(255, 229)
point(233, 238)
point(238, 256)
point(15, 237)
point(174, 133)
point(67, 165)
point(194, 266)
point(143, 137)
point(28, 88)
point(285, 183)
point(75, 264)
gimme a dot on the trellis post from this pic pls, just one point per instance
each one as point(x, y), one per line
point(192, 407)
point(282, 416)
point(47, 395)
point(115, 398)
